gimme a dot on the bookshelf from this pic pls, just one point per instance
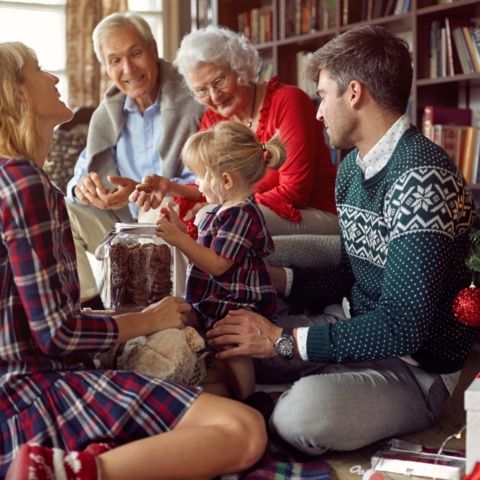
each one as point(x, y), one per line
point(281, 51)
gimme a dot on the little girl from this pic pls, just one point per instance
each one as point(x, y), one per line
point(226, 269)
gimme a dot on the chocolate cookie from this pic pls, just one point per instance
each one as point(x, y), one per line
point(163, 253)
point(144, 187)
point(119, 254)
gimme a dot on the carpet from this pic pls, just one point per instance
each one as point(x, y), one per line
point(276, 465)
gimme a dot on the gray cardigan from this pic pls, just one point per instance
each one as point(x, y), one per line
point(180, 118)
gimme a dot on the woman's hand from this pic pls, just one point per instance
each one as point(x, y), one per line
point(171, 312)
point(252, 334)
point(161, 186)
point(171, 215)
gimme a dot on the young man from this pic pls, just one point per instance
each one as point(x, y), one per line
point(384, 363)
point(139, 128)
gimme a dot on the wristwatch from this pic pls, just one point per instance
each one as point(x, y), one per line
point(285, 344)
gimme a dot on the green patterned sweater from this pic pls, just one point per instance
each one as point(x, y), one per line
point(404, 240)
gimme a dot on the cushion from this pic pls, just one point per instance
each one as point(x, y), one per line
point(64, 152)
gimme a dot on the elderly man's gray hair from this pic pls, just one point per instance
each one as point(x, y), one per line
point(219, 46)
point(118, 21)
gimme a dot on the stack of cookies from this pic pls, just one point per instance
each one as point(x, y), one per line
point(139, 274)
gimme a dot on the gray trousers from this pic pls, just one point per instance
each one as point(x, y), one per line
point(345, 407)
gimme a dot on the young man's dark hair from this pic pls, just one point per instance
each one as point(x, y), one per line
point(372, 55)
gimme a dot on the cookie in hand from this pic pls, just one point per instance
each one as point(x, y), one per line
point(144, 187)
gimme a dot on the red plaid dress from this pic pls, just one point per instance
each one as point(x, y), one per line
point(240, 234)
point(49, 392)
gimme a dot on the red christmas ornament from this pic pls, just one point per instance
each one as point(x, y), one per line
point(466, 306)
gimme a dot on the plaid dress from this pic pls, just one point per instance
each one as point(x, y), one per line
point(49, 391)
point(240, 234)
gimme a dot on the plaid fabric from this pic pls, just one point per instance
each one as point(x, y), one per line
point(95, 406)
point(44, 339)
point(240, 234)
point(280, 466)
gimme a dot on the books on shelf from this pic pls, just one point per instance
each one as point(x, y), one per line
point(256, 25)
point(454, 48)
point(462, 144)
point(433, 115)
point(266, 73)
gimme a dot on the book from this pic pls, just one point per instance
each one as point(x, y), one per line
point(471, 68)
point(306, 12)
point(298, 17)
point(406, 8)
point(433, 115)
point(451, 138)
point(450, 65)
point(331, 13)
point(307, 86)
point(266, 73)
point(389, 9)
point(433, 51)
point(457, 39)
point(282, 13)
point(443, 52)
point(476, 158)
point(471, 48)
point(475, 46)
point(468, 149)
point(399, 7)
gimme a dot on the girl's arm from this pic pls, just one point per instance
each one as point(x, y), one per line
point(205, 259)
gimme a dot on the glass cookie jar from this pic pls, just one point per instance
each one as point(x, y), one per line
point(138, 266)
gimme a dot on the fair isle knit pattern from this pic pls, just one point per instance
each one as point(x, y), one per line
point(404, 237)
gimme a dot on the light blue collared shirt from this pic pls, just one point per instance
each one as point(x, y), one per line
point(136, 153)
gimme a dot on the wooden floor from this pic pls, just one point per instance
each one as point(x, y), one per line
point(451, 421)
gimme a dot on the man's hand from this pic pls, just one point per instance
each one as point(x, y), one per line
point(279, 278)
point(252, 334)
point(161, 186)
point(91, 191)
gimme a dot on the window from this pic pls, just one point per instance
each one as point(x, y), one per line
point(152, 12)
point(41, 25)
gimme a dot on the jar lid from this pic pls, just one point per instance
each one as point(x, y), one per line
point(136, 228)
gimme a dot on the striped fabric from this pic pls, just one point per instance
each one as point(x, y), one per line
point(46, 392)
point(240, 234)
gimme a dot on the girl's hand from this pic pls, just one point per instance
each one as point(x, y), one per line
point(169, 232)
point(172, 216)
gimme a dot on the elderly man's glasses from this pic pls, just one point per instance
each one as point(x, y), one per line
point(218, 84)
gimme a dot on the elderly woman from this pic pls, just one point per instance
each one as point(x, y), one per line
point(221, 68)
point(53, 403)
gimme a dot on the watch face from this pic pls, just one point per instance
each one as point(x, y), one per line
point(285, 346)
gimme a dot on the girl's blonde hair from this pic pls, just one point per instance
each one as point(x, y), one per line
point(231, 147)
point(19, 135)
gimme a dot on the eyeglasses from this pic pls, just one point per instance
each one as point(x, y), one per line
point(218, 84)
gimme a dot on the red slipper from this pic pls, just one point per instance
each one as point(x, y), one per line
point(42, 463)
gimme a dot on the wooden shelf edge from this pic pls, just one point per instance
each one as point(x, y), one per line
point(378, 21)
point(446, 7)
point(456, 78)
point(305, 37)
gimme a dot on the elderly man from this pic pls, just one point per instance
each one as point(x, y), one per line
point(139, 128)
point(384, 364)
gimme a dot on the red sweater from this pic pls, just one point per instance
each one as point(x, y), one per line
point(307, 178)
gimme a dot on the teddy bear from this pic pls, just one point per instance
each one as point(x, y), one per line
point(168, 354)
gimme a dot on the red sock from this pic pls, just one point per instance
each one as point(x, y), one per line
point(44, 463)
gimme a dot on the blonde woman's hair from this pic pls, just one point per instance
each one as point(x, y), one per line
point(231, 147)
point(19, 134)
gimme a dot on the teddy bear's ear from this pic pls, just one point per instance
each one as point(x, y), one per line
point(194, 340)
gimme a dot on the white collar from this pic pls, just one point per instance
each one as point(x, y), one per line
point(379, 155)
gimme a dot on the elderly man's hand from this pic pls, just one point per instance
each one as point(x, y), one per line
point(91, 191)
point(252, 335)
point(161, 187)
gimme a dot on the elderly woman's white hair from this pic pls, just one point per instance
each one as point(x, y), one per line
point(219, 46)
point(118, 21)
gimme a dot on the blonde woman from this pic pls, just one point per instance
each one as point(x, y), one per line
point(60, 418)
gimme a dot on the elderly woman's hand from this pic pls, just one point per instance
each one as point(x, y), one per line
point(161, 187)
